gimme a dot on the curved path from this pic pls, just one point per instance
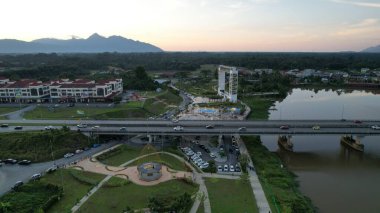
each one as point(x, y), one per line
point(18, 115)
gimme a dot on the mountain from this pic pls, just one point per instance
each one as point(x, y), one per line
point(93, 44)
point(372, 49)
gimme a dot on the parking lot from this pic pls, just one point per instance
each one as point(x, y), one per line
point(224, 152)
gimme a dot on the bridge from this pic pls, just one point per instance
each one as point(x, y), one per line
point(190, 127)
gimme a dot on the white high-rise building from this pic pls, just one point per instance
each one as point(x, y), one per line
point(231, 93)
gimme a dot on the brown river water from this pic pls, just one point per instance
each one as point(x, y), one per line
point(337, 179)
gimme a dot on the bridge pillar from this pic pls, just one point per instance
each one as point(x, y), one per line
point(150, 138)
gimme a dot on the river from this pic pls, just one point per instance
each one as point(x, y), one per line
point(336, 179)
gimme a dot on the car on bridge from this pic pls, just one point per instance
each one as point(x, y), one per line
point(284, 127)
point(123, 128)
point(82, 125)
point(4, 125)
point(375, 127)
point(242, 129)
point(178, 128)
point(316, 127)
point(18, 128)
point(210, 127)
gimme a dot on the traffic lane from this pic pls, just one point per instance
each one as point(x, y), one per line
point(10, 174)
point(226, 130)
point(272, 123)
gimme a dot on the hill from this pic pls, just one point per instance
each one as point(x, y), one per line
point(375, 49)
point(93, 44)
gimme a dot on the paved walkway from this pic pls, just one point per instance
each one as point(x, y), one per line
point(88, 195)
point(261, 200)
point(18, 115)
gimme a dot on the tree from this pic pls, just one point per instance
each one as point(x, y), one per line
point(181, 203)
point(156, 205)
point(243, 160)
point(205, 73)
point(5, 206)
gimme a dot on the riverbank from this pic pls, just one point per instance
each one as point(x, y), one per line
point(280, 184)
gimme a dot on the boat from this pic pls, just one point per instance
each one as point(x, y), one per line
point(349, 141)
point(285, 143)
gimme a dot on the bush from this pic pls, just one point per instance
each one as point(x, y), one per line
point(82, 178)
point(109, 153)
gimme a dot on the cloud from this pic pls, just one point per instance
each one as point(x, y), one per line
point(358, 3)
point(366, 26)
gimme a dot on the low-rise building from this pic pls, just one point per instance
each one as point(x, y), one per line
point(64, 90)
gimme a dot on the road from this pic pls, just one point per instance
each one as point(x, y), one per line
point(198, 128)
point(9, 174)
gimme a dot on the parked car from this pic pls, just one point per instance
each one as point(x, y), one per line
point(212, 155)
point(225, 168)
point(51, 169)
point(95, 145)
point(376, 127)
point(284, 127)
point(220, 168)
point(237, 168)
point(78, 151)
point(178, 128)
point(17, 185)
point(10, 161)
point(4, 125)
point(232, 169)
point(123, 128)
point(18, 128)
point(36, 176)
point(25, 162)
point(68, 155)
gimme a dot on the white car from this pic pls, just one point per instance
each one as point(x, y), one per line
point(220, 168)
point(95, 127)
point(78, 151)
point(175, 121)
point(49, 127)
point(68, 155)
point(36, 176)
point(225, 168)
point(212, 155)
point(82, 125)
point(199, 153)
point(376, 127)
point(232, 169)
point(189, 153)
point(178, 128)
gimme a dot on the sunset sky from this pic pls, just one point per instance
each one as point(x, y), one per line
point(202, 25)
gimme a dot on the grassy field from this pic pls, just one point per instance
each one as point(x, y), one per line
point(125, 154)
point(31, 197)
point(259, 107)
point(5, 110)
point(166, 159)
point(230, 196)
point(155, 104)
point(280, 185)
point(115, 199)
point(75, 185)
point(38, 146)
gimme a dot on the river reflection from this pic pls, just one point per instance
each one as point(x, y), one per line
point(336, 178)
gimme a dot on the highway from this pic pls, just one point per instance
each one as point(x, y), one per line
point(199, 127)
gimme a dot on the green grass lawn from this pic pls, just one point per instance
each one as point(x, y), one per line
point(230, 196)
point(259, 107)
point(115, 199)
point(166, 159)
point(5, 110)
point(37, 146)
point(126, 153)
point(75, 185)
point(155, 104)
point(279, 184)
point(129, 110)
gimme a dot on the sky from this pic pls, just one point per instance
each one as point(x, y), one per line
point(202, 25)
